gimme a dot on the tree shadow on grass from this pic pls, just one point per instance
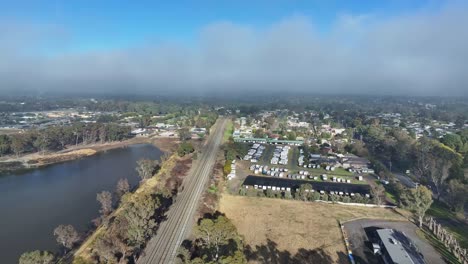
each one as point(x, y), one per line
point(270, 254)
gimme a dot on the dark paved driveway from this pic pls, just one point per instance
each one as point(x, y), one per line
point(361, 232)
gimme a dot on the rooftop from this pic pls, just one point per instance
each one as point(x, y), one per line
point(394, 246)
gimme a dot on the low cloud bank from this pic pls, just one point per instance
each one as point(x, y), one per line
point(424, 53)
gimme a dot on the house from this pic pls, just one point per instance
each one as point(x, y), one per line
point(139, 132)
point(353, 161)
point(198, 130)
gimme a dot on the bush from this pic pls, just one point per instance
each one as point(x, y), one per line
point(315, 196)
point(242, 192)
point(227, 167)
point(270, 193)
point(185, 148)
point(325, 197)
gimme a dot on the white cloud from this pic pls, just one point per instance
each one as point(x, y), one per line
point(424, 53)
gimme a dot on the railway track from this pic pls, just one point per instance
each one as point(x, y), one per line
point(162, 248)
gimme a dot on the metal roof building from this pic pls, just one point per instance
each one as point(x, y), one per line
point(269, 141)
point(318, 186)
point(397, 248)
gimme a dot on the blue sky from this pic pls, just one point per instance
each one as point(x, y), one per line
point(91, 25)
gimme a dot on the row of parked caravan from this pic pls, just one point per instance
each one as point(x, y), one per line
point(280, 155)
point(283, 173)
point(300, 160)
point(288, 189)
point(255, 152)
point(265, 170)
point(232, 174)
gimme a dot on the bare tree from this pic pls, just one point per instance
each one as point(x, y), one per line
point(146, 168)
point(105, 199)
point(377, 192)
point(66, 236)
point(123, 187)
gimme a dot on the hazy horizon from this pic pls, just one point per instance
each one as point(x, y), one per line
point(410, 50)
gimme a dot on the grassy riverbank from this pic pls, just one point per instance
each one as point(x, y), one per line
point(172, 171)
point(37, 160)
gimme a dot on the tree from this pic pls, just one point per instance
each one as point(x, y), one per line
point(146, 168)
point(139, 216)
point(315, 196)
point(4, 144)
point(377, 191)
point(123, 187)
point(109, 248)
point(18, 144)
point(227, 167)
point(112, 247)
point(105, 199)
point(184, 134)
point(66, 236)
point(453, 141)
point(214, 233)
point(434, 161)
point(185, 148)
point(418, 200)
point(457, 194)
point(183, 256)
point(270, 193)
point(37, 257)
point(145, 121)
point(303, 192)
point(359, 149)
point(42, 141)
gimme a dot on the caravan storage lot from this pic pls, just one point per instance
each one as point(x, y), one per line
point(283, 229)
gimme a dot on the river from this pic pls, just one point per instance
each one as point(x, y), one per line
point(33, 203)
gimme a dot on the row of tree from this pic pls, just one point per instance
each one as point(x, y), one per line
point(58, 137)
point(304, 193)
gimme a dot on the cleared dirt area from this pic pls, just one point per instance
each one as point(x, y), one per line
point(283, 231)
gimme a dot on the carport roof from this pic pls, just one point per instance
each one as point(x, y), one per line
point(394, 248)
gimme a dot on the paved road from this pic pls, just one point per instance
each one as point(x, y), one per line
point(405, 180)
point(162, 248)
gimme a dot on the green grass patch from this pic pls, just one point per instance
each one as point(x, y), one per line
point(212, 189)
point(391, 197)
point(438, 245)
point(440, 210)
point(449, 220)
point(228, 131)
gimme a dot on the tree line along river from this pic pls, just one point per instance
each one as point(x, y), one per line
point(34, 202)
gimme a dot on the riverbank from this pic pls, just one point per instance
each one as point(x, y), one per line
point(37, 160)
point(67, 192)
point(166, 181)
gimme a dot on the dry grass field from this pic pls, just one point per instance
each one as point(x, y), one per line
point(282, 231)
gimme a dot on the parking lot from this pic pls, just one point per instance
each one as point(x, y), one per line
point(360, 234)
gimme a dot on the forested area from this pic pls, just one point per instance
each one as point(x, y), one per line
point(58, 137)
point(438, 163)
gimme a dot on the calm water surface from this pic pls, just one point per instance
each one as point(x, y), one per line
point(33, 203)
